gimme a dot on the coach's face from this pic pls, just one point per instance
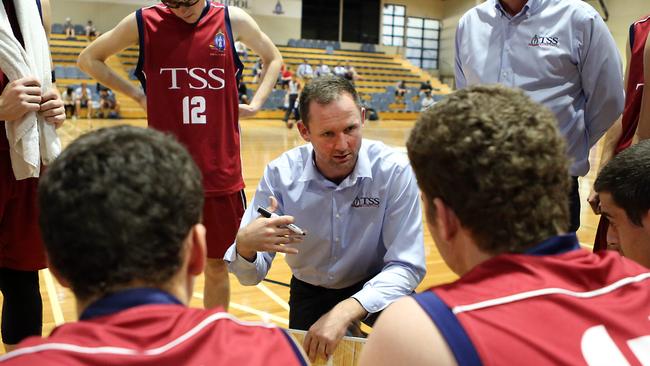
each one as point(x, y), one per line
point(334, 131)
point(188, 10)
point(633, 239)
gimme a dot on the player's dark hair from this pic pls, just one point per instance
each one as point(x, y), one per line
point(324, 90)
point(115, 209)
point(497, 159)
point(627, 179)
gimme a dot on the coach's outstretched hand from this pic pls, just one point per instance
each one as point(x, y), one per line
point(267, 235)
point(324, 335)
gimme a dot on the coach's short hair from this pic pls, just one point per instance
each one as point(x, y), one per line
point(115, 209)
point(498, 161)
point(627, 179)
point(324, 90)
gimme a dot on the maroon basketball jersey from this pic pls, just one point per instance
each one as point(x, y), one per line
point(639, 31)
point(190, 73)
point(160, 335)
point(570, 308)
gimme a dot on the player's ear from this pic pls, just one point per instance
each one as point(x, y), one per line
point(197, 250)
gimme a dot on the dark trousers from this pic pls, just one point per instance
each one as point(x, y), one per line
point(22, 307)
point(292, 108)
point(574, 205)
point(307, 303)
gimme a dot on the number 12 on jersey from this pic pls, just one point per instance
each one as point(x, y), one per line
point(194, 111)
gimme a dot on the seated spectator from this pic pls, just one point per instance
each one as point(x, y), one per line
point(243, 93)
point(241, 49)
point(108, 105)
point(351, 73)
point(427, 101)
point(83, 99)
point(623, 187)
point(91, 31)
point(305, 70)
point(286, 76)
point(68, 28)
point(69, 102)
point(131, 265)
point(425, 87)
point(400, 89)
point(323, 69)
point(339, 70)
point(492, 171)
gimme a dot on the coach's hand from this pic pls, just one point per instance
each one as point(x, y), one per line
point(324, 335)
point(267, 235)
point(52, 108)
point(20, 97)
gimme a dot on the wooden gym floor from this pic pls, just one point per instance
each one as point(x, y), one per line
point(262, 141)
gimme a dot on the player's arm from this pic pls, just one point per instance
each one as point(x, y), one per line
point(610, 140)
point(643, 129)
point(405, 335)
point(51, 107)
point(92, 59)
point(246, 30)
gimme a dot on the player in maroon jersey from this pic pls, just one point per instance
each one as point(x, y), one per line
point(623, 187)
point(635, 122)
point(492, 170)
point(21, 249)
point(189, 69)
point(120, 212)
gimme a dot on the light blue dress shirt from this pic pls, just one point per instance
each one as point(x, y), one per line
point(369, 225)
point(559, 52)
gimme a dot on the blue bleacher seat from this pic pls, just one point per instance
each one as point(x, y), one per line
point(57, 28)
point(79, 29)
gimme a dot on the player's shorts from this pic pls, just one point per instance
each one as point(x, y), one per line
point(21, 247)
point(221, 217)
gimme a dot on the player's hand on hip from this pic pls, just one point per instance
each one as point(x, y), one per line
point(52, 108)
point(142, 100)
point(20, 97)
point(247, 110)
point(267, 235)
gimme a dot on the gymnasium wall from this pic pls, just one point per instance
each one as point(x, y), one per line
point(281, 27)
point(104, 15)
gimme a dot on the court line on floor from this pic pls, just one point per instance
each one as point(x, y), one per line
point(268, 292)
point(54, 299)
point(267, 317)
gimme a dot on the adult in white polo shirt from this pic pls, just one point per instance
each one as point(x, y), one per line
point(561, 54)
point(357, 200)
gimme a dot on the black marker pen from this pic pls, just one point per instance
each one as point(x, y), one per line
point(266, 213)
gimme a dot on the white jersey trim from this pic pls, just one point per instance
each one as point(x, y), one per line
point(550, 291)
point(123, 351)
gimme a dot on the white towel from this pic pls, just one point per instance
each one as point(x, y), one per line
point(31, 139)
